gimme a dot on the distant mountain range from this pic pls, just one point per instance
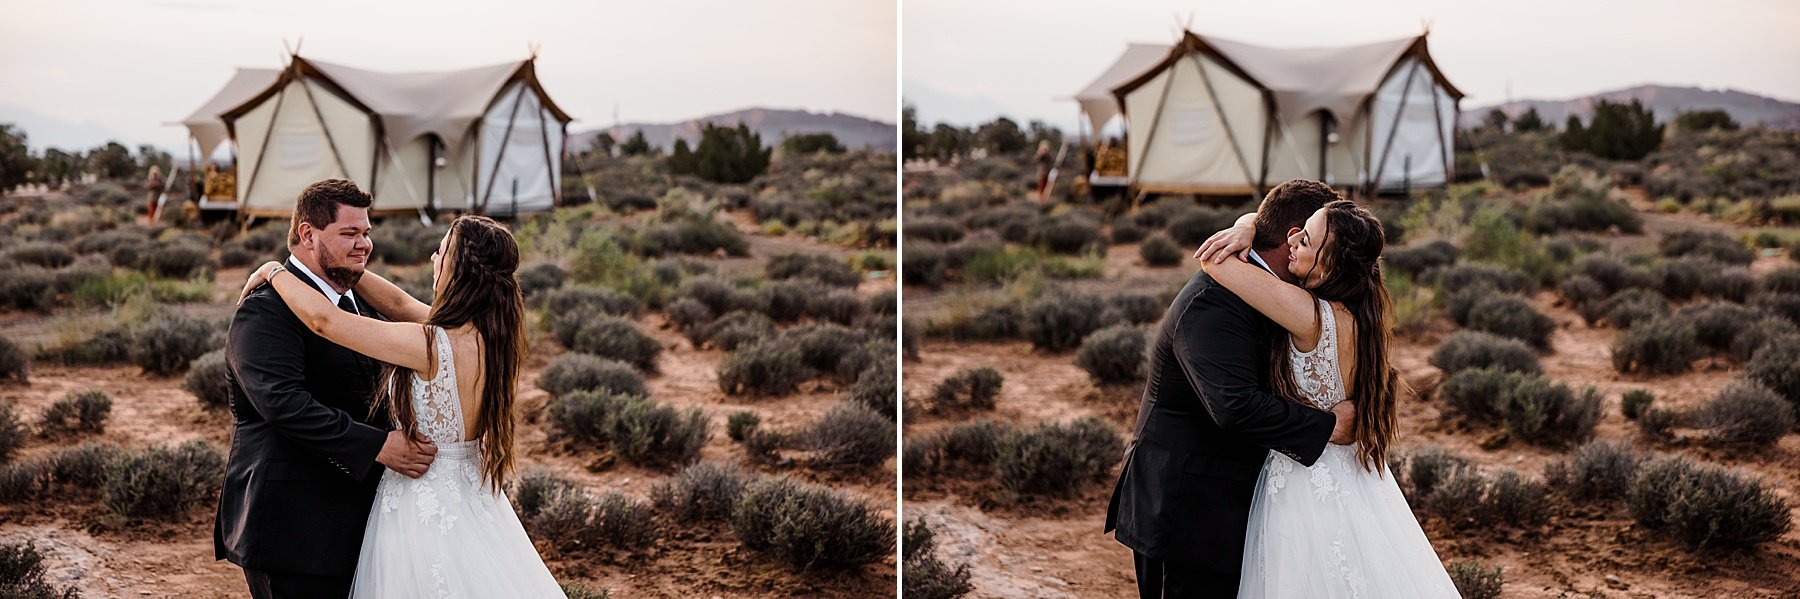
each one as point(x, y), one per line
point(772, 123)
point(1664, 101)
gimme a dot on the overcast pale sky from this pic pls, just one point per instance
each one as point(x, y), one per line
point(126, 67)
point(966, 60)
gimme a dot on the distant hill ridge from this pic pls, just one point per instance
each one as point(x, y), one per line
point(1664, 101)
point(773, 124)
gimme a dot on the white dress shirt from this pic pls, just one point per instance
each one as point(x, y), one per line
point(330, 292)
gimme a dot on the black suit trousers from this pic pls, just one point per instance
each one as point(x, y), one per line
point(265, 584)
point(1157, 579)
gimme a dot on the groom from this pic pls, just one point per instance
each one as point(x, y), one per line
point(306, 453)
point(1207, 421)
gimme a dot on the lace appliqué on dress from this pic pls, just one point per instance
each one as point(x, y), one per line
point(438, 411)
point(1316, 371)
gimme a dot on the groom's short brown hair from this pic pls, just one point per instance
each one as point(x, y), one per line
point(1286, 207)
point(318, 205)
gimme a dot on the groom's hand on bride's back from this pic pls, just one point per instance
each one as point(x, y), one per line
point(412, 457)
point(1345, 431)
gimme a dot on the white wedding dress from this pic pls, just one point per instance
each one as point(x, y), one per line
point(1334, 530)
point(446, 534)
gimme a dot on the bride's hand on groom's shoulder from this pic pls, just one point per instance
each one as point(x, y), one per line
point(257, 278)
point(1233, 241)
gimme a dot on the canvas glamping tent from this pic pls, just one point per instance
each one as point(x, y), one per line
point(486, 139)
point(1215, 116)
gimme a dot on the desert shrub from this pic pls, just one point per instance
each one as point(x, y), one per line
point(623, 521)
point(28, 288)
point(126, 247)
point(615, 338)
point(871, 353)
point(1660, 346)
point(1703, 505)
point(24, 480)
point(1068, 234)
point(1745, 413)
point(1475, 275)
point(1125, 232)
point(1458, 498)
point(824, 269)
point(1059, 320)
point(1758, 333)
point(159, 482)
point(1115, 354)
point(822, 346)
point(1480, 393)
point(40, 253)
point(1681, 278)
point(1532, 407)
point(1192, 226)
point(787, 301)
point(1731, 283)
point(1516, 500)
point(1135, 308)
point(769, 368)
point(841, 306)
point(1593, 212)
point(975, 388)
point(573, 372)
point(12, 431)
point(536, 487)
point(1711, 244)
point(14, 364)
point(1419, 259)
point(541, 278)
point(1159, 250)
point(177, 259)
point(1586, 295)
point(564, 516)
point(648, 433)
point(1476, 581)
point(977, 442)
point(82, 411)
point(929, 228)
point(1785, 305)
point(1782, 280)
point(1597, 470)
point(806, 525)
point(689, 314)
point(1464, 350)
point(1773, 366)
point(1511, 316)
point(206, 380)
point(1716, 324)
point(83, 465)
point(718, 295)
point(1632, 306)
point(1057, 459)
point(165, 344)
point(919, 456)
point(703, 491)
point(876, 389)
point(1429, 466)
point(22, 574)
point(1612, 273)
point(580, 590)
point(737, 328)
point(741, 423)
point(850, 435)
point(1633, 403)
point(578, 302)
point(926, 576)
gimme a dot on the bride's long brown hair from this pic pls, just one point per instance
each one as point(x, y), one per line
point(1350, 257)
point(476, 284)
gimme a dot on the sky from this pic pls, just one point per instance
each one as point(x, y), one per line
point(81, 69)
point(967, 61)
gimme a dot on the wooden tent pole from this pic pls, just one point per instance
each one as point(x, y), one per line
point(1388, 146)
point(1150, 137)
point(1437, 115)
point(329, 141)
point(504, 137)
point(262, 153)
point(549, 166)
point(1220, 111)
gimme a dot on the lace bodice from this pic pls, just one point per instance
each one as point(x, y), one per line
point(1316, 372)
point(436, 404)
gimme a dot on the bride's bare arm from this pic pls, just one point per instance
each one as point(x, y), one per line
point(390, 300)
point(1234, 240)
point(403, 344)
point(1288, 305)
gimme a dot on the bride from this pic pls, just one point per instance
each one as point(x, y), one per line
point(452, 380)
point(1340, 528)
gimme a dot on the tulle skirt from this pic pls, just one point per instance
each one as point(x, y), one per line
point(1334, 531)
point(446, 534)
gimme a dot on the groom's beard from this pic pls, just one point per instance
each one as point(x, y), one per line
point(338, 273)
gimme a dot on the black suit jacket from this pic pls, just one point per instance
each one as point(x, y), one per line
point(1204, 427)
point(302, 470)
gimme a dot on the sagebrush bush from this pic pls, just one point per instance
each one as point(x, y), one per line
point(735, 329)
point(206, 380)
point(1159, 250)
point(941, 230)
point(1716, 323)
point(1068, 234)
point(977, 442)
point(1745, 413)
point(1429, 466)
point(703, 491)
point(178, 259)
point(919, 456)
point(1782, 280)
point(824, 269)
point(539, 279)
point(1784, 305)
point(689, 314)
point(22, 574)
point(719, 295)
point(1633, 403)
point(769, 368)
point(1416, 260)
point(1464, 350)
point(1475, 275)
point(14, 363)
point(1511, 316)
point(927, 576)
point(1476, 581)
point(806, 526)
point(535, 488)
point(583, 301)
point(1656, 422)
point(1135, 308)
point(1459, 498)
point(40, 253)
point(1704, 505)
point(638, 429)
point(1711, 244)
point(1059, 320)
point(12, 431)
point(24, 480)
point(850, 435)
point(1058, 459)
point(1612, 273)
point(1125, 232)
point(615, 338)
point(1597, 470)
point(1774, 367)
point(876, 389)
point(973, 387)
point(1516, 500)
point(1731, 283)
point(1762, 332)
point(785, 301)
point(741, 423)
point(165, 344)
point(1115, 354)
point(623, 521)
point(574, 371)
point(163, 483)
point(1191, 227)
point(1632, 306)
point(79, 411)
point(1531, 407)
point(871, 353)
point(1660, 346)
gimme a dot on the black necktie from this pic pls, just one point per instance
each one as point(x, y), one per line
point(347, 305)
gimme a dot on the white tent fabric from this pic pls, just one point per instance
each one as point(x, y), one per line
point(204, 124)
point(1097, 101)
point(514, 136)
point(412, 104)
point(276, 161)
point(1377, 114)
